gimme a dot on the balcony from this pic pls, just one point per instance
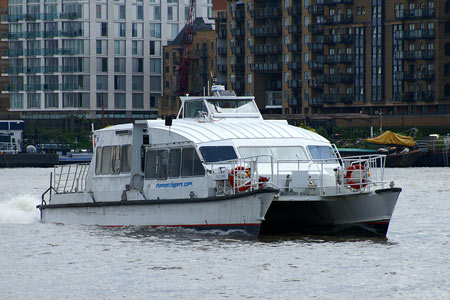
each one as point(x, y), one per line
point(338, 78)
point(266, 13)
point(222, 68)
point(316, 28)
point(273, 85)
point(222, 16)
point(339, 59)
point(427, 96)
point(415, 35)
point(315, 47)
point(338, 39)
point(295, 47)
point(295, 84)
point(237, 50)
point(294, 28)
point(416, 55)
point(238, 32)
point(419, 13)
point(238, 14)
point(295, 11)
point(222, 33)
point(415, 76)
point(335, 2)
point(222, 51)
point(338, 19)
point(315, 66)
point(237, 68)
point(295, 101)
point(294, 66)
point(265, 49)
point(316, 82)
point(316, 101)
point(266, 30)
point(315, 9)
point(266, 67)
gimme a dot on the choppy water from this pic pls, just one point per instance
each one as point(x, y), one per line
point(45, 261)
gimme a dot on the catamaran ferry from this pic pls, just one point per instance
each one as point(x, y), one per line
point(220, 165)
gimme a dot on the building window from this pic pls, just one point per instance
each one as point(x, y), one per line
point(137, 83)
point(119, 82)
point(155, 65)
point(102, 64)
point(102, 100)
point(155, 83)
point(155, 30)
point(119, 65)
point(119, 101)
point(447, 90)
point(447, 49)
point(16, 100)
point(138, 101)
point(138, 65)
point(447, 70)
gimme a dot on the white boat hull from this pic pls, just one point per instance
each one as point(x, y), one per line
point(364, 213)
point(244, 211)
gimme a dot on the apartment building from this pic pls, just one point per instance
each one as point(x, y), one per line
point(338, 56)
point(202, 69)
point(4, 98)
point(90, 58)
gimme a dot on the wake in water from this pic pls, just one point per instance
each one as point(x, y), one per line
point(19, 209)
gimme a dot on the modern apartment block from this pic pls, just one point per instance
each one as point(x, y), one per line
point(4, 98)
point(202, 69)
point(338, 56)
point(81, 57)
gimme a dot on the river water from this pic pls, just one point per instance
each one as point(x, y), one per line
point(47, 261)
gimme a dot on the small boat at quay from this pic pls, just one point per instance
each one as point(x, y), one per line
point(220, 165)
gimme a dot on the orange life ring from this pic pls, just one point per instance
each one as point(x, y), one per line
point(243, 175)
point(359, 181)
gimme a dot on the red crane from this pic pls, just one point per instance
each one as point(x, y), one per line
point(187, 43)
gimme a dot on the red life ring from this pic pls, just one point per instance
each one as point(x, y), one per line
point(356, 181)
point(243, 176)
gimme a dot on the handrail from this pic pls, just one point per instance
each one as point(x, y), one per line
point(70, 178)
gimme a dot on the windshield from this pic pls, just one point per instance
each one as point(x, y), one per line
point(321, 152)
point(217, 153)
point(232, 106)
point(278, 153)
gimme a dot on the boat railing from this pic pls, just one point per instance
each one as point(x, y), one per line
point(328, 177)
point(242, 174)
point(70, 178)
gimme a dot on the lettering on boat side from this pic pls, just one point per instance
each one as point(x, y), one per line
point(173, 185)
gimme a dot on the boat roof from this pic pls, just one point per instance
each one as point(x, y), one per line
point(204, 132)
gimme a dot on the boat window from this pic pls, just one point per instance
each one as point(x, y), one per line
point(255, 151)
point(98, 161)
point(231, 106)
point(191, 164)
point(174, 163)
point(217, 153)
point(106, 159)
point(278, 153)
point(321, 152)
point(115, 160)
point(156, 164)
point(289, 153)
point(125, 159)
point(194, 109)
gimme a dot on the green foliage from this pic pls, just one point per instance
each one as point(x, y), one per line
point(79, 139)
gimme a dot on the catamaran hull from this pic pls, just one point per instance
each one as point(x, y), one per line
point(243, 211)
point(362, 214)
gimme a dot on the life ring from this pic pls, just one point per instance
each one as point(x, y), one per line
point(262, 181)
point(354, 178)
point(242, 175)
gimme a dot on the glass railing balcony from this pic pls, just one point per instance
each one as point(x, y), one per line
point(12, 18)
point(13, 53)
point(34, 87)
point(40, 16)
point(12, 70)
point(72, 87)
point(334, 2)
point(13, 88)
